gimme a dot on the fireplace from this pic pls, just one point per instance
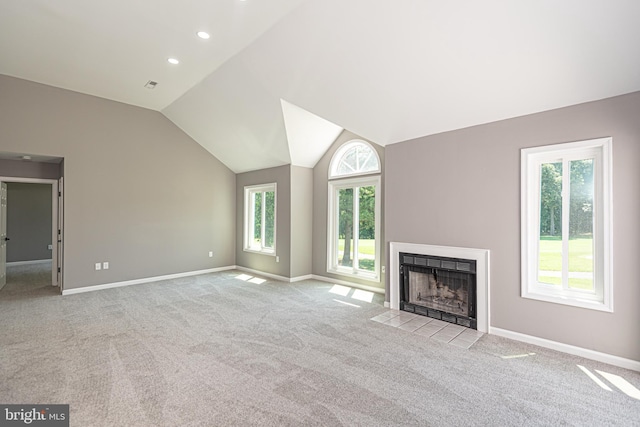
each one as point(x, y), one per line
point(439, 287)
point(482, 263)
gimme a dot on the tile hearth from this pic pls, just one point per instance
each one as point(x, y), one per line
point(429, 328)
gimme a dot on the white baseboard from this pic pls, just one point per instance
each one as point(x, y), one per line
point(275, 276)
point(346, 283)
point(144, 280)
point(262, 273)
point(35, 261)
point(634, 365)
point(310, 277)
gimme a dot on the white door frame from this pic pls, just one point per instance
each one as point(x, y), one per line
point(54, 220)
point(3, 234)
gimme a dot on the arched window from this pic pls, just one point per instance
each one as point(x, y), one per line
point(354, 158)
point(353, 241)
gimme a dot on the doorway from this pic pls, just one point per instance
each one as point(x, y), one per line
point(36, 259)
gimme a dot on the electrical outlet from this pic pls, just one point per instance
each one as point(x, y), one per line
point(50, 247)
point(383, 269)
point(105, 265)
point(277, 259)
point(98, 266)
point(210, 254)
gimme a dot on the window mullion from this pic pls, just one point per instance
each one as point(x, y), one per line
point(336, 228)
point(356, 227)
point(252, 219)
point(263, 218)
point(566, 203)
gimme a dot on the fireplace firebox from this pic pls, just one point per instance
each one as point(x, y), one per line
point(439, 287)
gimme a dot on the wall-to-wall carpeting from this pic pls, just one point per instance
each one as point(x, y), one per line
point(218, 350)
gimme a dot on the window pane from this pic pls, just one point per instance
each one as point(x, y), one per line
point(550, 238)
point(345, 227)
point(269, 218)
point(347, 164)
point(367, 228)
point(581, 225)
point(353, 158)
point(257, 219)
point(364, 159)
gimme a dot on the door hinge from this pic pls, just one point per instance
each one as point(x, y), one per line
point(59, 193)
point(59, 270)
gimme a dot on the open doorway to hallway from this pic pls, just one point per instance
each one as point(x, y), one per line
point(30, 230)
point(31, 224)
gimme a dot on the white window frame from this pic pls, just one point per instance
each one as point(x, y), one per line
point(601, 298)
point(332, 235)
point(343, 150)
point(249, 225)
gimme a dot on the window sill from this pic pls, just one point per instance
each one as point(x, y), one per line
point(270, 252)
point(570, 300)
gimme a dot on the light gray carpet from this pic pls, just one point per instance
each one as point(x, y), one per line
point(26, 278)
point(213, 350)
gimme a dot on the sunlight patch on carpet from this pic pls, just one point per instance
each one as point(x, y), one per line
point(346, 303)
point(518, 356)
point(340, 290)
point(625, 386)
point(361, 295)
point(594, 378)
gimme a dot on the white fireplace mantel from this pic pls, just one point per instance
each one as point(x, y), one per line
point(481, 256)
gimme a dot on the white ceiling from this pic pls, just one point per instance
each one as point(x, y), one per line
point(388, 70)
point(112, 48)
point(308, 134)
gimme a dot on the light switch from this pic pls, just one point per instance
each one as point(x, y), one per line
point(210, 254)
point(98, 266)
point(105, 265)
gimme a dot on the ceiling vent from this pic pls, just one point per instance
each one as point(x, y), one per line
point(151, 84)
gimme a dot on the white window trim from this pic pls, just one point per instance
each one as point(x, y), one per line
point(335, 160)
point(248, 218)
point(332, 243)
point(531, 159)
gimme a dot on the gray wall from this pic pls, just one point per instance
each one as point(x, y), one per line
point(139, 192)
point(301, 221)
point(473, 181)
point(28, 221)
point(266, 263)
point(26, 169)
point(320, 199)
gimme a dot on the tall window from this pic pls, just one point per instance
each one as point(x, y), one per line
point(354, 212)
point(566, 224)
point(260, 218)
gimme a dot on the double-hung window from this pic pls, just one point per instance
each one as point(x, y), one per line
point(354, 212)
point(260, 218)
point(566, 224)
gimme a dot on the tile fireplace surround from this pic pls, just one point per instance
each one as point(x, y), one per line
point(481, 256)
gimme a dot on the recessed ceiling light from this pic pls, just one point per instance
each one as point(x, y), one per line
point(173, 61)
point(203, 35)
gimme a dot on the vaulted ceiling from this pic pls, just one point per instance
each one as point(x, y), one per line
point(279, 79)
